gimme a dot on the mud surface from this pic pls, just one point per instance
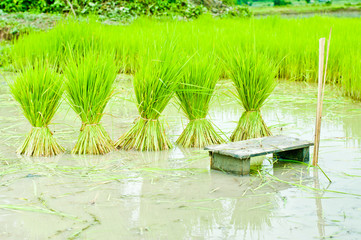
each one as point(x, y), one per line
point(173, 194)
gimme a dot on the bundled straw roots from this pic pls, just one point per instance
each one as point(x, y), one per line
point(93, 139)
point(250, 125)
point(199, 133)
point(41, 143)
point(138, 137)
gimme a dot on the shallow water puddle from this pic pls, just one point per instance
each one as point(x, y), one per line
point(173, 194)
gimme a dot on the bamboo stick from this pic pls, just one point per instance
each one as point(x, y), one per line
point(324, 75)
point(320, 103)
point(321, 59)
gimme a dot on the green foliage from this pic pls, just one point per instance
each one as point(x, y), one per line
point(154, 85)
point(38, 90)
point(328, 3)
point(89, 86)
point(237, 11)
point(293, 43)
point(38, 5)
point(4, 54)
point(154, 50)
point(281, 3)
point(194, 95)
point(33, 47)
point(70, 35)
point(230, 2)
point(112, 9)
point(350, 78)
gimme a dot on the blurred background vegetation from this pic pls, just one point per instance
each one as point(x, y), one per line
point(22, 16)
point(149, 7)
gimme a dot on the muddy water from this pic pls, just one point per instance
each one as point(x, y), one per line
point(173, 194)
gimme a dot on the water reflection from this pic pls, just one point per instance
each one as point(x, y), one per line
point(319, 209)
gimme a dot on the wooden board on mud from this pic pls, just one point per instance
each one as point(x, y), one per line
point(259, 146)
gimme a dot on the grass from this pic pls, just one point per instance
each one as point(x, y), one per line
point(253, 77)
point(38, 210)
point(194, 95)
point(38, 90)
point(141, 49)
point(290, 42)
point(89, 86)
point(154, 86)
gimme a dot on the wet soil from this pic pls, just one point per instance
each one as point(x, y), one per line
point(173, 194)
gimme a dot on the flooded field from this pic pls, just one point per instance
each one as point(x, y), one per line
point(173, 194)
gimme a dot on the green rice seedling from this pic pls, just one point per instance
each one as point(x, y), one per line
point(89, 86)
point(154, 85)
point(28, 49)
point(292, 42)
point(194, 95)
point(38, 90)
point(55, 45)
point(253, 76)
point(350, 73)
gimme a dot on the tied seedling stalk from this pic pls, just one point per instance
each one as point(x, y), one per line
point(38, 90)
point(194, 95)
point(154, 85)
point(253, 76)
point(89, 87)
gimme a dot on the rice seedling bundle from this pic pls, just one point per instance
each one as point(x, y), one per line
point(38, 90)
point(89, 87)
point(253, 76)
point(194, 95)
point(154, 85)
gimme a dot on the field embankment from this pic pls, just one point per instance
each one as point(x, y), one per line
point(294, 10)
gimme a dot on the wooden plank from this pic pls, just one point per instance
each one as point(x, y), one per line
point(259, 146)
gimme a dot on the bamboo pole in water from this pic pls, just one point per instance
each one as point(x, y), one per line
point(321, 89)
point(324, 75)
point(321, 59)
